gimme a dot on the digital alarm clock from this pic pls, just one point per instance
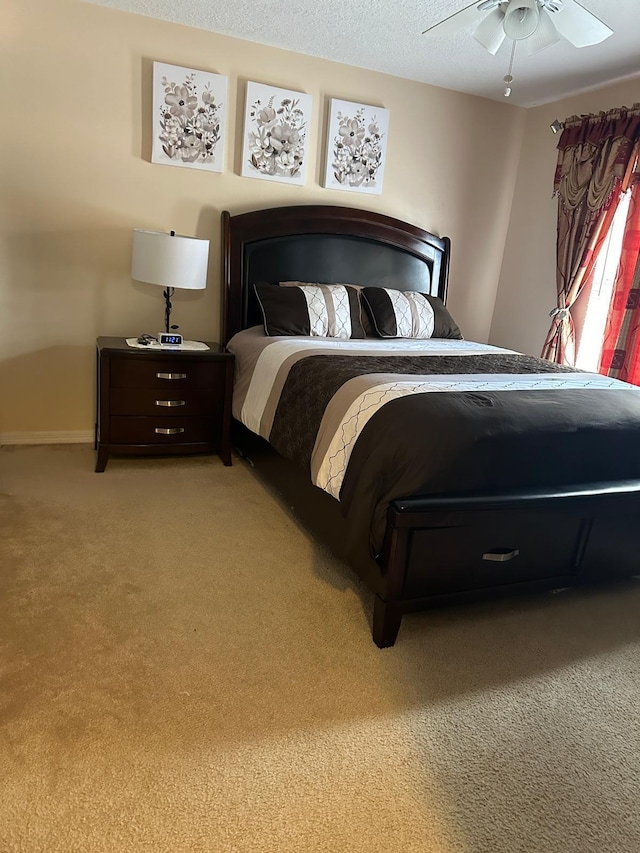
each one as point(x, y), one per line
point(169, 339)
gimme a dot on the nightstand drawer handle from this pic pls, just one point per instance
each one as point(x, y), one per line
point(169, 430)
point(500, 555)
point(171, 375)
point(171, 403)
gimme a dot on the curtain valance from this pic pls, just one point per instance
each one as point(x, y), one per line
point(594, 153)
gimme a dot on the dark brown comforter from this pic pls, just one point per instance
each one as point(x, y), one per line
point(504, 429)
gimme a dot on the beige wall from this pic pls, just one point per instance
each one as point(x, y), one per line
point(74, 182)
point(527, 289)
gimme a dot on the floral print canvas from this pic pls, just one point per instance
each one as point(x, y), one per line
point(189, 111)
point(276, 134)
point(356, 147)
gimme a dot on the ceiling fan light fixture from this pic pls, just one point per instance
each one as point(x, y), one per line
point(490, 31)
point(544, 36)
point(521, 19)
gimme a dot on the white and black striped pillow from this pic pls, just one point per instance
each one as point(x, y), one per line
point(317, 310)
point(364, 316)
point(408, 314)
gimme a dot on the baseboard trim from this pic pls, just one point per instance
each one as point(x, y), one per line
point(80, 436)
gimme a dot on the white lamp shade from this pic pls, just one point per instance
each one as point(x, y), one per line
point(169, 260)
point(544, 36)
point(490, 31)
point(521, 19)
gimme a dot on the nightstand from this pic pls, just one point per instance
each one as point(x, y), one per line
point(162, 402)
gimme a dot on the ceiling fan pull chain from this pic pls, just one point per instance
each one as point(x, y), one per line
point(508, 78)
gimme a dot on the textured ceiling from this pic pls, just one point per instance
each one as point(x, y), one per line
point(385, 35)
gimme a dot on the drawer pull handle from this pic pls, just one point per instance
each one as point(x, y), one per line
point(171, 375)
point(169, 430)
point(500, 555)
point(170, 403)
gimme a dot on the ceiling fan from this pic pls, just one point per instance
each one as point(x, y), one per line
point(538, 22)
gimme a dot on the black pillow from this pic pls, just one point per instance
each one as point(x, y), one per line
point(409, 314)
point(324, 310)
point(445, 326)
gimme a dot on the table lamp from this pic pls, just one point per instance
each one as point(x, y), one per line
point(169, 260)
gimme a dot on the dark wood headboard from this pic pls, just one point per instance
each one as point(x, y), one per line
point(324, 243)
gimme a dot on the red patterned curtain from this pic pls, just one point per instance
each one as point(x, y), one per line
point(621, 348)
point(595, 153)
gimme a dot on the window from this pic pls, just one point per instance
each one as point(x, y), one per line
point(604, 276)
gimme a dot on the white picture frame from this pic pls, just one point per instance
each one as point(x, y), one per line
point(276, 134)
point(189, 117)
point(356, 149)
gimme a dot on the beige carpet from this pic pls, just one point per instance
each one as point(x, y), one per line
point(184, 669)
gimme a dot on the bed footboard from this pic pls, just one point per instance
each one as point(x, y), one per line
point(450, 549)
point(445, 549)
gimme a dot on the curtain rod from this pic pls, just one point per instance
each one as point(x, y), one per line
point(616, 112)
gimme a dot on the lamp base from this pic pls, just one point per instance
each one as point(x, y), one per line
point(168, 293)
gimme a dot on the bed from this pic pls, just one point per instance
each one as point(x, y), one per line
point(482, 471)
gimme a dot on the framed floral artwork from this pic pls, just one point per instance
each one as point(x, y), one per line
point(356, 147)
point(276, 134)
point(189, 112)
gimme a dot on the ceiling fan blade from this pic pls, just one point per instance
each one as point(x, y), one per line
point(544, 36)
point(578, 25)
point(490, 32)
point(456, 21)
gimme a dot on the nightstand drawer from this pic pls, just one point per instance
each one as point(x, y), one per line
point(165, 373)
point(166, 402)
point(164, 431)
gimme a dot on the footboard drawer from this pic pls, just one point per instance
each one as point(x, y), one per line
point(473, 550)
